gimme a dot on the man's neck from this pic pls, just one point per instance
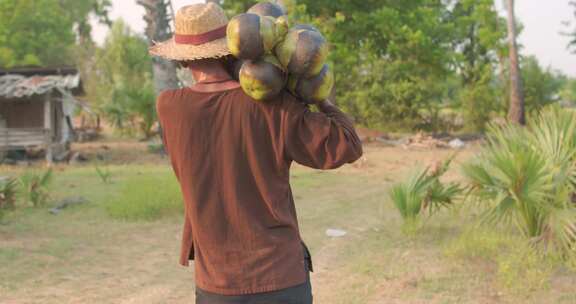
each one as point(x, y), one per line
point(212, 72)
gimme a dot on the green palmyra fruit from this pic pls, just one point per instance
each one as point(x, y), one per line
point(262, 79)
point(250, 36)
point(267, 9)
point(302, 52)
point(313, 89)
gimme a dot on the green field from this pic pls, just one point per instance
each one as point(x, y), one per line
point(100, 252)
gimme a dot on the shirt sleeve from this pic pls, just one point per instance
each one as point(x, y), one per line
point(320, 140)
point(159, 110)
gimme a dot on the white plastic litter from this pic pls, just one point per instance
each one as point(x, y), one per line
point(457, 144)
point(335, 232)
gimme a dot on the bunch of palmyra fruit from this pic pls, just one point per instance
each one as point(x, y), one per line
point(272, 55)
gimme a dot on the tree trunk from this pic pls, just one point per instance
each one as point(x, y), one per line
point(516, 113)
point(158, 17)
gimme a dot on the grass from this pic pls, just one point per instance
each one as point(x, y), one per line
point(147, 197)
point(112, 250)
point(519, 268)
point(477, 243)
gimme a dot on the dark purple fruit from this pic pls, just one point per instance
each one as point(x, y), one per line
point(302, 52)
point(267, 9)
point(250, 36)
point(313, 89)
point(262, 79)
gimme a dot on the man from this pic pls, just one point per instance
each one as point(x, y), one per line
point(232, 157)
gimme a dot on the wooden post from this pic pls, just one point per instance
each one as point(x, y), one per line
point(48, 128)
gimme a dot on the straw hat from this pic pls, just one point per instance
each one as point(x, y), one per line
point(200, 32)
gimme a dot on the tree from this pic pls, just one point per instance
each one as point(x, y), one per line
point(124, 78)
point(80, 12)
point(46, 39)
point(568, 93)
point(386, 77)
point(573, 34)
point(478, 44)
point(158, 16)
point(49, 37)
point(516, 112)
point(542, 87)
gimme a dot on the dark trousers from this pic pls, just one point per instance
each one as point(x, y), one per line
point(301, 294)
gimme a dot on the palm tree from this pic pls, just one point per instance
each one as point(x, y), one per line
point(516, 113)
point(527, 178)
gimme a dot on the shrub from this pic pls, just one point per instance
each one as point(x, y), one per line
point(526, 177)
point(156, 148)
point(478, 102)
point(34, 187)
point(147, 198)
point(8, 188)
point(423, 191)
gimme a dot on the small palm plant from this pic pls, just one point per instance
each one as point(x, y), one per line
point(423, 192)
point(34, 187)
point(8, 187)
point(526, 177)
point(104, 174)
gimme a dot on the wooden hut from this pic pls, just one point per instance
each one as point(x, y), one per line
point(36, 108)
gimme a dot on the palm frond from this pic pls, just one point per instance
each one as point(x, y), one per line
point(423, 191)
point(527, 177)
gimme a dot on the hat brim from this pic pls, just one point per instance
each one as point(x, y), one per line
point(174, 51)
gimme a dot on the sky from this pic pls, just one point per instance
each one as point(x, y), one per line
point(542, 20)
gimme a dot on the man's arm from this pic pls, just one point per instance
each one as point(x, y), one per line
point(321, 140)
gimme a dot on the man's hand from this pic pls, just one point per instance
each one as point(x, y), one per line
point(325, 105)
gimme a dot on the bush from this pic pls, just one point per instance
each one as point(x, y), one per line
point(34, 187)
point(423, 191)
point(8, 190)
point(525, 177)
point(478, 103)
point(147, 198)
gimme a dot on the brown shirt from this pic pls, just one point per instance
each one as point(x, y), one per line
point(232, 158)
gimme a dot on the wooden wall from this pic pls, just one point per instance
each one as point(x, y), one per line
point(23, 122)
point(23, 113)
